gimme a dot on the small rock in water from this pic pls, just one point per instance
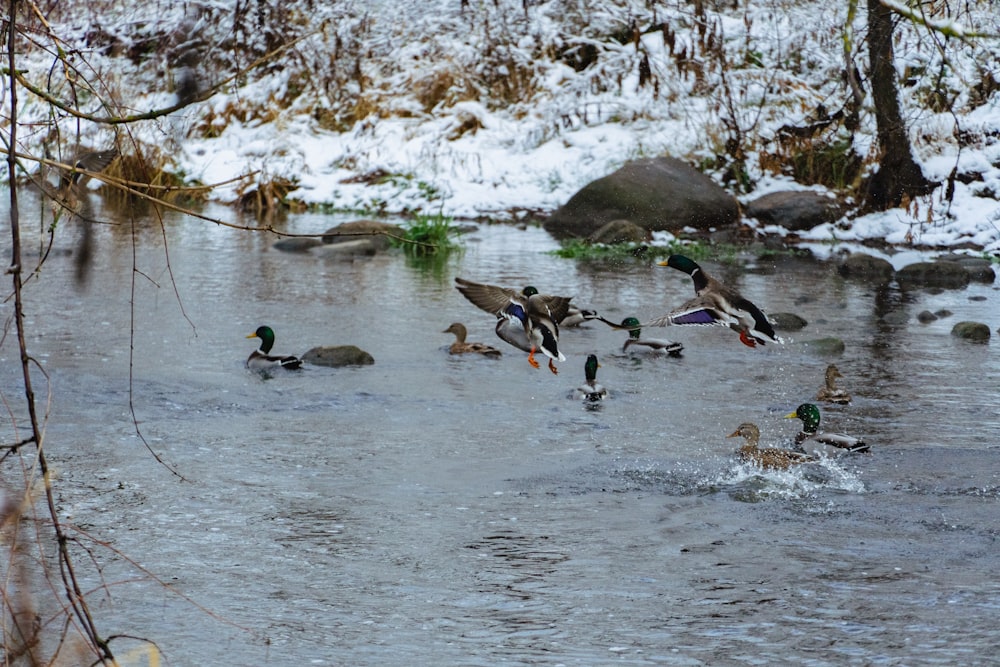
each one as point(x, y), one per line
point(866, 267)
point(974, 331)
point(926, 316)
point(337, 356)
point(896, 318)
point(944, 312)
point(977, 297)
point(787, 321)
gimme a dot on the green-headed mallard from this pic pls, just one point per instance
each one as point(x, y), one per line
point(536, 314)
point(591, 390)
point(716, 304)
point(776, 459)
point(831, 393)
point(460, 346)
point(636, 343)
point(261, 360)
point(813, 441)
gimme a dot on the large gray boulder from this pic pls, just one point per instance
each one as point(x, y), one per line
point(933, 274)
point(795, 210)
point(658, 194)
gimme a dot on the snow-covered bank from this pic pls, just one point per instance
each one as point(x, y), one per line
point(684, 86)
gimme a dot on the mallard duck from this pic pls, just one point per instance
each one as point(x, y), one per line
point(261, 360)
point(813, 441)
point(591, 390)
point(71, 196)
point(575, 316)
point(462, 347)
point(637, 343)
point(536, 313)
point(831, 393)
point(716, 304)
point(776, 459)
point(93, 161)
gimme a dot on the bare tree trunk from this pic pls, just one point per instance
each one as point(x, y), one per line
point(898, 177)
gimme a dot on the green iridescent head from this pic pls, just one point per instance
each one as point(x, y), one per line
point(681, 263)
point(633, 324)
point(529, 290)
point(266, 336)
point(809, 414)
point(590, 368)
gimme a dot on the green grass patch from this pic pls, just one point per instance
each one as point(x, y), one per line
point(580, 249)
point(429, 235)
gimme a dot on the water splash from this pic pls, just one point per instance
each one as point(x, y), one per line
point(746, 482)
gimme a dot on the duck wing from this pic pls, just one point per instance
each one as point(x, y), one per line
point(699, 311)
point(491, 298)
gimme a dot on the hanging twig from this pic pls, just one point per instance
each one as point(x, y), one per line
point(71, 587)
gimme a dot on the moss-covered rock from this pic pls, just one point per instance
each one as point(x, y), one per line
point(620, 231)
point(977, 332)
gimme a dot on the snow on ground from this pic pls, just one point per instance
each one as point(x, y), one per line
point(471, 158)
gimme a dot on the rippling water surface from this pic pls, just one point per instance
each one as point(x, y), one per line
point(435, 510)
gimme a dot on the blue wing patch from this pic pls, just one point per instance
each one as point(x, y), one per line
point(695, 317)
point(515, 311)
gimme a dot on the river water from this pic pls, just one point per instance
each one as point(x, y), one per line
point(438, 510)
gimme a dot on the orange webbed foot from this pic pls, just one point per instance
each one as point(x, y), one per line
point(532, 360)
point(746, 340)
point(552, 367)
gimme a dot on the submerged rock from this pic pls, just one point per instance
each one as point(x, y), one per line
point(896, 318)
point(654, 193)
point(866, 267)
point(348, 249)
point(829, 345)
point(795, 210)
point(933, 274)
point(337, 356)
point(974, 331)
point(297, 244)
point(926, 316)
